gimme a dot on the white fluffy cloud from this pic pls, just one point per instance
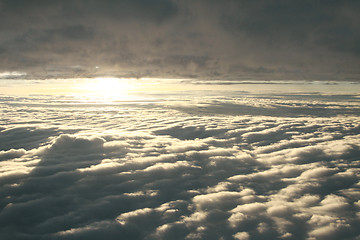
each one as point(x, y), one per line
point(160, 172)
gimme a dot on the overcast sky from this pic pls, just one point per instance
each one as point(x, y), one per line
point(181, 39)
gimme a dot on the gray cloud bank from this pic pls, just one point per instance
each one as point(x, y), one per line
point(181, 39)
point(155, 171)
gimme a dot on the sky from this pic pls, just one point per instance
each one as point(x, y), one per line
point(234, 40)
point(183, 120)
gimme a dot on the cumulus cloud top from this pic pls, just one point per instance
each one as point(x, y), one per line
point(162, 172)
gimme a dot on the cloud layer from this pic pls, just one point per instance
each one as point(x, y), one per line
point(71, 170)
point(181, 39)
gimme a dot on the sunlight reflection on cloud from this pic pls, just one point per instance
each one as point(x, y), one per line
point(160, 171)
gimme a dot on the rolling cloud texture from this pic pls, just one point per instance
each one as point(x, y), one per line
point(164, 170)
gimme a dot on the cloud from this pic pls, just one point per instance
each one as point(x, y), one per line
point(24, 137)
point(12, 153)
point(66, 144)
point(11, 75)
point(181, 39)
point(241, 236)
point(153, 174)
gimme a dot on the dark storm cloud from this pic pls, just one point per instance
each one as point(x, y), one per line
point(197, 39)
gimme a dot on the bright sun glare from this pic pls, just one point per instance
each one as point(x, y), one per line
point(107, 86)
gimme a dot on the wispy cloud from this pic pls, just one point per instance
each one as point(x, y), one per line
point(12, 75)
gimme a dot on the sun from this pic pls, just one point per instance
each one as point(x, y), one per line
point(106, 86)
